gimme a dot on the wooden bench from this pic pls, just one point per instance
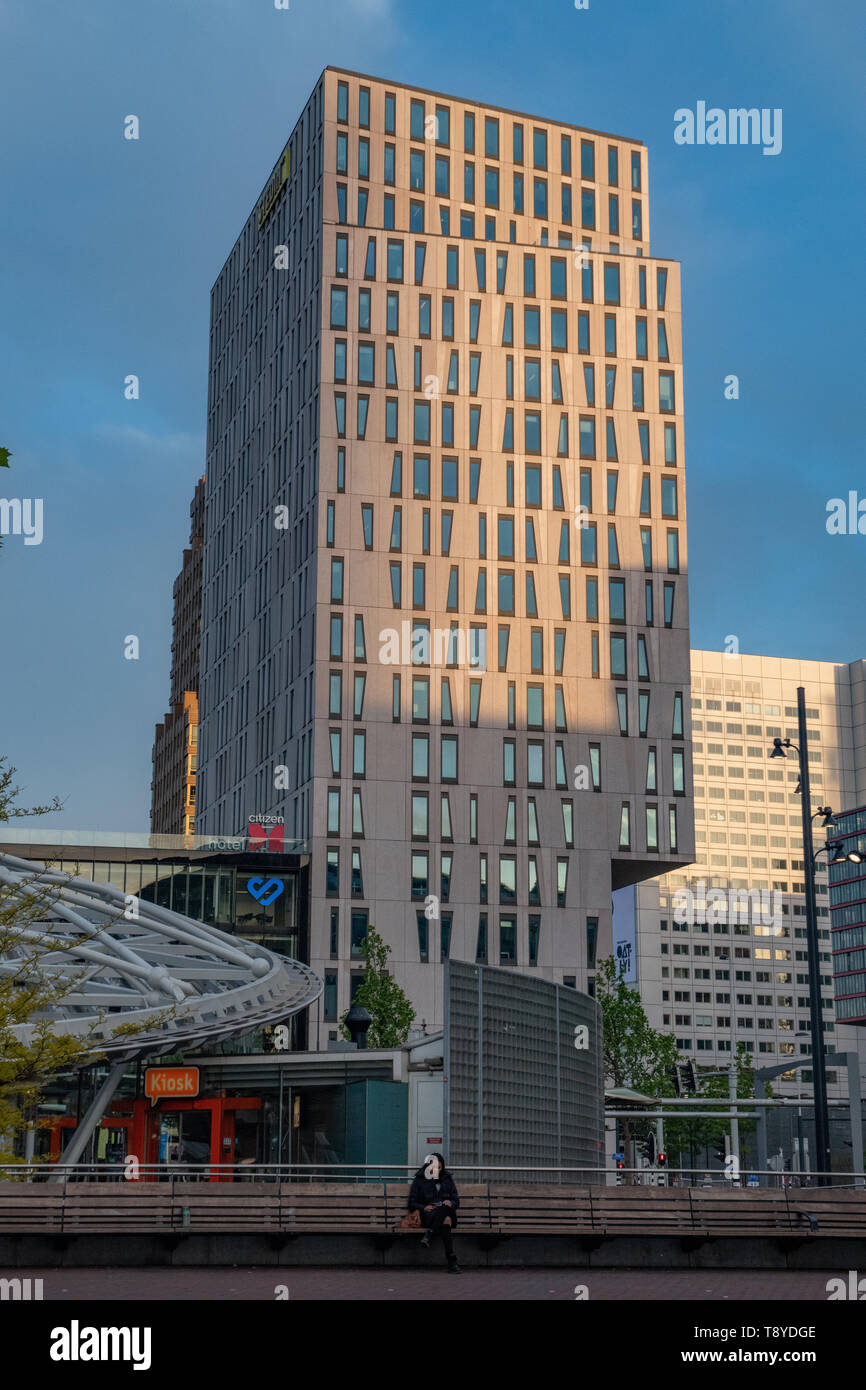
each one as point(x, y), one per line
point(837, 1212)
point(542, 1209)
point(29, 1208)
point(740, 1212)
point(648, 1210)
point(345, 1208)
point(214, 1208)
point(376, 1208)
point(93, 1208)
point(473, 1214)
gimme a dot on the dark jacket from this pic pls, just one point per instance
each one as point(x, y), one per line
point(424, 1194)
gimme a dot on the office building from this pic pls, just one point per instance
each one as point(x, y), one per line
point(445, 615)
point(721, 952)
point(848, 919)
point(175, 745)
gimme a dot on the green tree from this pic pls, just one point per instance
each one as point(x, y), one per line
point(8, 793)
point(382, 997)
point(635, 1055)
point(25, 993)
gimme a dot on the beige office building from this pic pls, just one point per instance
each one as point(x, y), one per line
point(445, 596)
point(739, 972)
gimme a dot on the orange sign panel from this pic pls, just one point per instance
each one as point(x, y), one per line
point(161, 1083)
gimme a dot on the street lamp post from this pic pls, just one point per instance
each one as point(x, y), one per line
point(816, 1022)
point(728, 956)
point(819, 1069)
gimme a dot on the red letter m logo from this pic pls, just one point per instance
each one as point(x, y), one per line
point(261, 837)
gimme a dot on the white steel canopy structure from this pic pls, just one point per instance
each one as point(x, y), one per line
point(115, 961)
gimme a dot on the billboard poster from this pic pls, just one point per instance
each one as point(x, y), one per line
point(624, 936)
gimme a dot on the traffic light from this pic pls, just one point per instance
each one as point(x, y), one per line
point(684, 1078)
point(620, 1163)
point(663, 1158)
point(721, 1153)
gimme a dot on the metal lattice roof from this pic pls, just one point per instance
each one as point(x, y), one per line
point(114, 959)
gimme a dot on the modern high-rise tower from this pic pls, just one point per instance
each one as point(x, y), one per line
point(445, 623)
point(175, 742)
point(721, 949)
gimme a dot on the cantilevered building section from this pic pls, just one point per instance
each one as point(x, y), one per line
point(176, 742)
point(721, 946)
point(445, 609)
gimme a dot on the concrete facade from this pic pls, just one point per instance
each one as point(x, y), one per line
point(744, 978)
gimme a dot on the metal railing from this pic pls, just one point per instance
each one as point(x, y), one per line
point(129, 1172)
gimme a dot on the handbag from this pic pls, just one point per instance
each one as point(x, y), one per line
point(411, 1221)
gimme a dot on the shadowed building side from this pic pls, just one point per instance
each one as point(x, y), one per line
point(175, 748)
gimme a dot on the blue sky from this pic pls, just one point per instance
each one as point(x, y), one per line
point(110, 248)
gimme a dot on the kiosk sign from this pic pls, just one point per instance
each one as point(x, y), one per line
point(161, 1083)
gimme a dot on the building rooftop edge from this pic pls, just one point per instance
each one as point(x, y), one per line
point(428, 91)
point(766, 656)
point(472, 101)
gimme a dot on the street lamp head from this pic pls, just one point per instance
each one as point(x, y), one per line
point(778, 749)
point(837, 853)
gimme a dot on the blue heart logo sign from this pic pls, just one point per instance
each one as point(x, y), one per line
point(265, 891)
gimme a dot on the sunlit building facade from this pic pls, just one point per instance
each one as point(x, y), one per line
point(175, 747)
point(445, 612)
point(721, 945)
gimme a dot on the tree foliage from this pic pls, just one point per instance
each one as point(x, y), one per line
point(638, 1056)
point(635, 1054)
point(26, 995)
point(389, 1008)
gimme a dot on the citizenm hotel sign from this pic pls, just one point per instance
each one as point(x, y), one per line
point(274, 187)
point(265, 833)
